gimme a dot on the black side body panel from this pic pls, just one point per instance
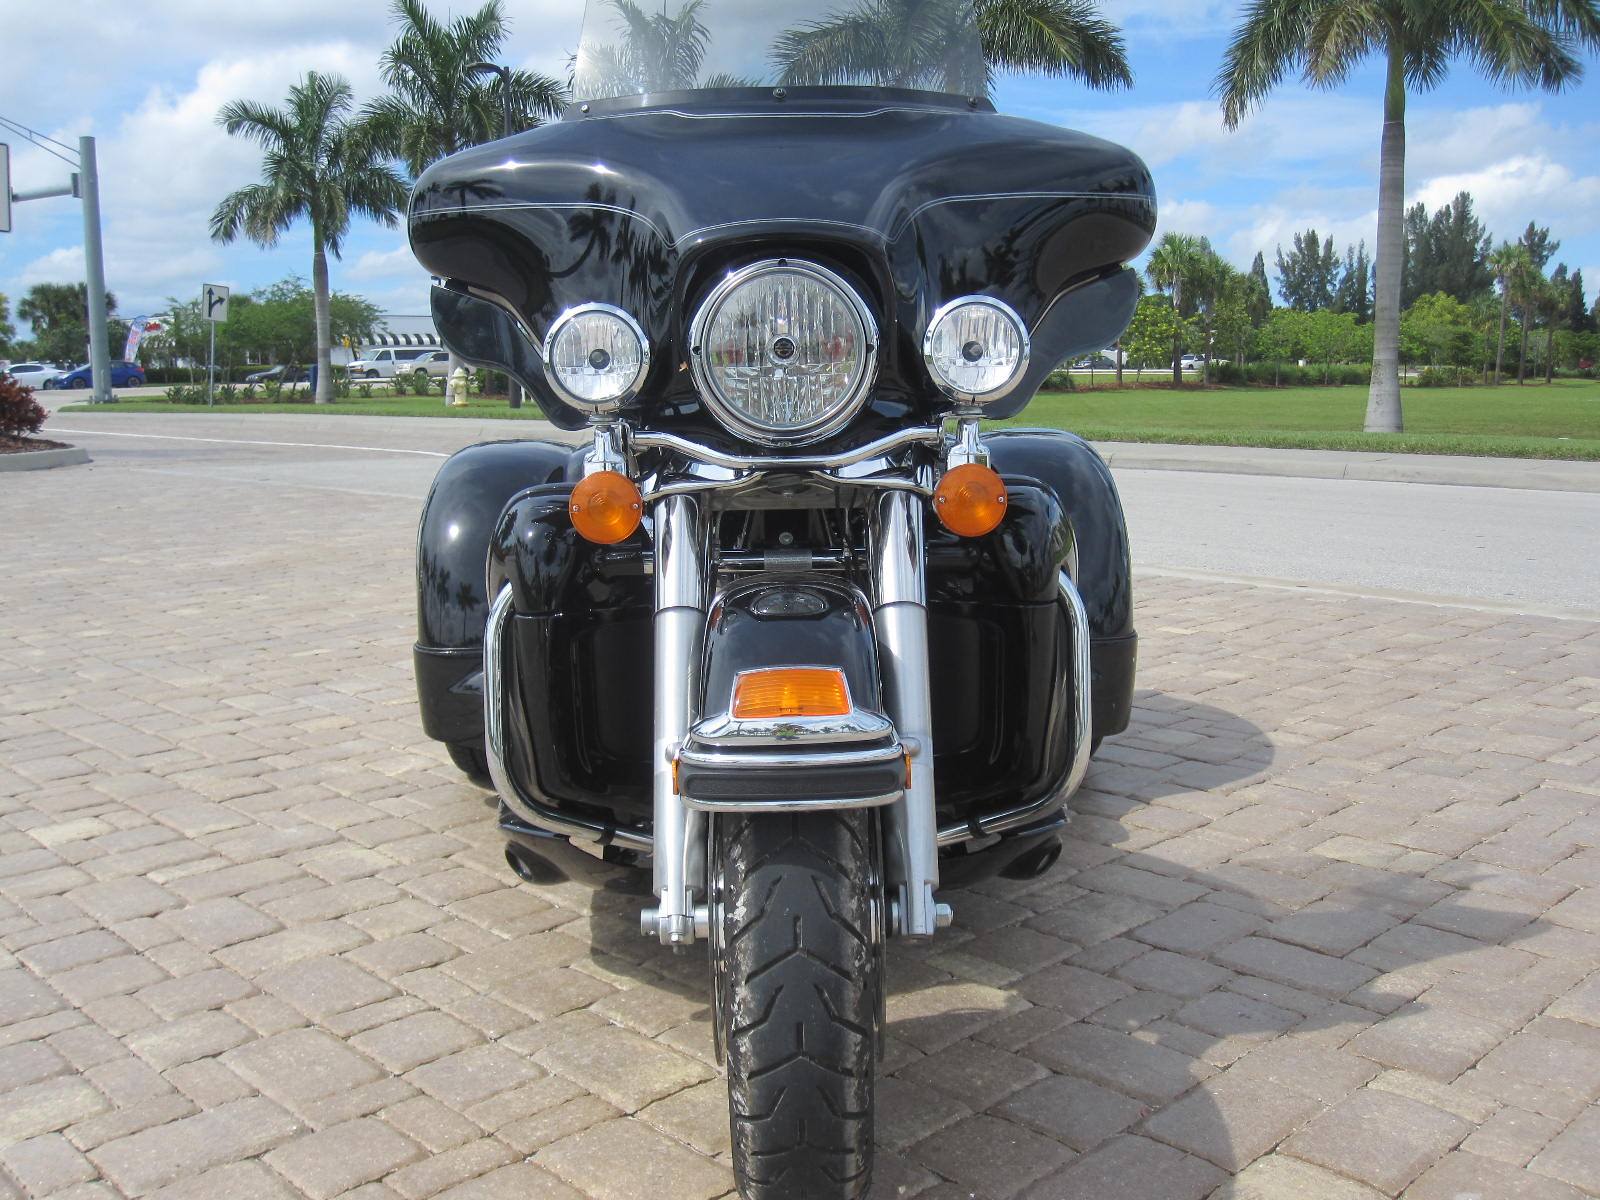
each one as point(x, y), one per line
point(1082, 483)
point(458, 521)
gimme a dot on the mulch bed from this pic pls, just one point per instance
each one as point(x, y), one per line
point(11, 445)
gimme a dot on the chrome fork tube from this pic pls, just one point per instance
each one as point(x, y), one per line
point(900, 613)
point(681, 598)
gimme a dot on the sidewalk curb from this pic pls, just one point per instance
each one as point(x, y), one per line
point(1527, 474)
point(43, 460)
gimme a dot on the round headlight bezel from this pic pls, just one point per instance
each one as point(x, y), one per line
point(553, 378)
point(730, 415)
point(1024, 341)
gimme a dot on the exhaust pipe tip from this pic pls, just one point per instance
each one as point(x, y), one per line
point(529, 867)
point(1031, 864)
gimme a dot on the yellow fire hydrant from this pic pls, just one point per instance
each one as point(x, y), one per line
point(458, 388)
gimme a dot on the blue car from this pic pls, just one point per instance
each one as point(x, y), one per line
point(123, 374)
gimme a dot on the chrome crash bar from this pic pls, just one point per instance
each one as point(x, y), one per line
point(494, 736)
point(1082, 737)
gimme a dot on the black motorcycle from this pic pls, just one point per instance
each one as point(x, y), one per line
point(789, 629)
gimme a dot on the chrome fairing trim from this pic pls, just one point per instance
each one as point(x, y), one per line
point(772, 462)
point(749, 806)
point(1082, 735)
point(494, 731)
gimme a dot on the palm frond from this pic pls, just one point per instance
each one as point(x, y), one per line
point(1055, 37)
point(1272, 38)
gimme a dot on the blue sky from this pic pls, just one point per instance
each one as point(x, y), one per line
point(148, 80)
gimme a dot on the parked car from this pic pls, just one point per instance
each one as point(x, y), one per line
point(279, 374)
point(1095, 362)
point(123, 374)
point(34, 374)
point(436, 364)
point(389, 362)
point(1193, 362)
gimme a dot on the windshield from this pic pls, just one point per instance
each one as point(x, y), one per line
point(630, 48)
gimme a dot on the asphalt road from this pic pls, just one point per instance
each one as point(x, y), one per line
point(1527, 551)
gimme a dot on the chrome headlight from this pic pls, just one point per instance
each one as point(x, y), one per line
point(596, 357)
point(783, 351)
point(976, 349)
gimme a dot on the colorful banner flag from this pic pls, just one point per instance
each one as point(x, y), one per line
point(137, 328)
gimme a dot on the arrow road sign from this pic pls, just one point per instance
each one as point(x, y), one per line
point(214, 302)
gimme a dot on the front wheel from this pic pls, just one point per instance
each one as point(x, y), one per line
point(797, 934)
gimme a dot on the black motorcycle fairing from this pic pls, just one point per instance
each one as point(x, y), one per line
point(458, 519)
point(487, 335)
point(641, 208)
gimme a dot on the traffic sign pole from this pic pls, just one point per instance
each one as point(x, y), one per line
point(214, 310)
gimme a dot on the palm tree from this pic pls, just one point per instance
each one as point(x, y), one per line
point(436, 106)
point(919, 43)
point(1179, 260)
point(1510, 263)
point(319, 164)
point(658, 52)
point(1528, 42)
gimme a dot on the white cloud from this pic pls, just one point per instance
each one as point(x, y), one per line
point(1525, 187)
point(383, 264)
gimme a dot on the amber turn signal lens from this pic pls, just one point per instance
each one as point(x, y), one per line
point(970, 500)
point(791, 692)
point(606, 508)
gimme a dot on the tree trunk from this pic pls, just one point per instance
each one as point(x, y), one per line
point(1117, 346)
point(1500, 347)
point(1383, 400)
point(1522, 354)
point(324, 314)
point(1177, 333)
point(1550, 352)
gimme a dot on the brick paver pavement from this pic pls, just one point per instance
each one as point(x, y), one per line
point(1327, 926)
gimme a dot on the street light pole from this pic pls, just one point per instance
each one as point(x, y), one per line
point(488, 68)
point(85, 186)
point(95, 272)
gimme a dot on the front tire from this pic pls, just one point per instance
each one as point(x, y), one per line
point(796, 947)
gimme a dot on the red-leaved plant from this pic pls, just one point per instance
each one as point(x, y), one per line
point(20, 413)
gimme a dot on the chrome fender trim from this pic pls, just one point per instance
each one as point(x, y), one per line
point(1082, 735)
point(494, 731)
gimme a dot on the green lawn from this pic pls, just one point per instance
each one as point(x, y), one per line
point(478, 407)
point(1535, 421)
point(1561, 420)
